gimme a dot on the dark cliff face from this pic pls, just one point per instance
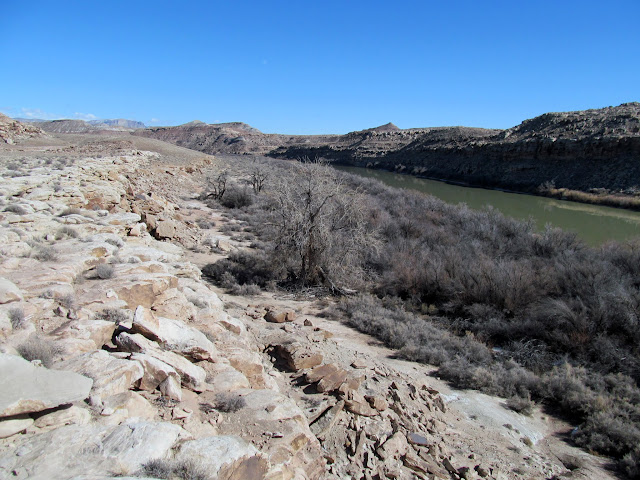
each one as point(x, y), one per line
point(578, 150)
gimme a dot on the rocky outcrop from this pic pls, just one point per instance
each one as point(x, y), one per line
point(580, 150)
point(81, 126)
point(13, 131)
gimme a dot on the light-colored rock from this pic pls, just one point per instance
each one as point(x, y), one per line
point(166, 228)
point(225, 378)
point(128, 405)
point(280, 316)
point(126, 218)
point(214, 452)
point(111, 375)
point(144, 291)
point(28, 388)
point(357, 404)
point(12, 425)
point(138, 229)
point(172, 303)
point(65, 416)
point(9, 292)
point(191, 375)
point(155, 371)
point(77, 450)
point(99, 331)
point(298, 356)
point(396, 446)
point(174, 335)
point(170, 388)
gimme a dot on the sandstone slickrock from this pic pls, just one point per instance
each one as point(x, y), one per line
point(111, 375)
point(9, 292)
point(89, 449)
point(28, 388)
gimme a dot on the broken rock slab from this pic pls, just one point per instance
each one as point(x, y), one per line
point(111, 375)
point(192, 376)
point(11, 425)
point(174, 335)
point(28, 388)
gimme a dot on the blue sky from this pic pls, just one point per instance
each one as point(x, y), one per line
point(317, 67)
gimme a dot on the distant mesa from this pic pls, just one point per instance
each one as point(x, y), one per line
point(82, 126)
point(387, 127)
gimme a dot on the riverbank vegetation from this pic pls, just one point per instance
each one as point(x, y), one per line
point(630, 200)
point(533, 317)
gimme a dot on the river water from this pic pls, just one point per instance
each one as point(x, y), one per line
point(594, 224)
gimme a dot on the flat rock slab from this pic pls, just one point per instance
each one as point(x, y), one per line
point(76, 450)
point(27, 388)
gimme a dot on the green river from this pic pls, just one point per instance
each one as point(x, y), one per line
point(594, 224)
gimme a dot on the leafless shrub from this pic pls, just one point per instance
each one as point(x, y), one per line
point(45, 253)
point(171, 469)
point(67, 301)
point(38, 348)
point(70, 211)
point(66, 231)
point(17, 318)
point(229, 402)
point(17, 209)
point(522, 405)
point(115, 315)
point(105, 271)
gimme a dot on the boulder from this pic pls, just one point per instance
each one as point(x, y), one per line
point(280, 316)
point(166, 229)
point(28, 388)
point(213, 453)
point(155, 371)
point(173, 335)
point(191, 375)
point(395, 447)
point(298, 356)
point(111, 375)
point(9, 292)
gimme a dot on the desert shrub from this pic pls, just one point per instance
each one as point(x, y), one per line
point(237, 197)
point(17, 318)
point(229, 402)
point(45, 253)
point(522, 405)
point(115, 315)
point(205, 224)
point(174, 470)
point(17, 209)
point(247, 290)
point(38, 348)
point(157, 468)
point(242, 268)
point(66, 232)
point(104, 271)
point(67, 301)
point(70, 211)
point(116, 242)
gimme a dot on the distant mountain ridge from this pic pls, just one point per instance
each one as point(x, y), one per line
point(82, 126)
point(582, 150)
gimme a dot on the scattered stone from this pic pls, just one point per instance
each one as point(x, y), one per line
point(377, 402)
point(357, 404)
point(307, 323)
point(358, 363)
point(280, 316)
point(326, 422)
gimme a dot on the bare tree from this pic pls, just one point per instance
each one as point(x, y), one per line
point(321, 227)
point(258, 175)
point(216, 185)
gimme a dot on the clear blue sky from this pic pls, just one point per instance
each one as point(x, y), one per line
point(317, 67)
